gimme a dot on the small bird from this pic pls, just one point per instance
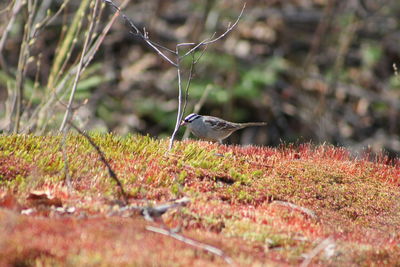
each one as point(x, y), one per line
point(212, 128)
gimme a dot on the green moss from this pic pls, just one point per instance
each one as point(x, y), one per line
point(349, 196)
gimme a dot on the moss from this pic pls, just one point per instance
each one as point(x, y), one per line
point(231, 189)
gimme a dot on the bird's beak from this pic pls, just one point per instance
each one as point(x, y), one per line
point(183, 123)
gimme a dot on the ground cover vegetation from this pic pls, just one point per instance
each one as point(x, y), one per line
point(258, 205)
point(319, 72)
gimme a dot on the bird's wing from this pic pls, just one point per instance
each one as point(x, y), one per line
point(220, 124)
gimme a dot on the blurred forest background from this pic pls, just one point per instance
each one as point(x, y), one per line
point(315, 70)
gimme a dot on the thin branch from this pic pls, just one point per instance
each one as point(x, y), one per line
point(202, 52)
point(80, 65)
point(185, 44)
point(179, 115)
point(22, 65)
point(190, 76)
point(7, 8)
point(15, 10)
point(160, 46)
point(103, 159)
point(194, 62)
point(48, 19)
point(100, 39)
point(188, 84)
point(191, 242)
point(144, 36)
point(35, 84)
point(211, 40)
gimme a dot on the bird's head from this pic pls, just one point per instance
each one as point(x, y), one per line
point(190, 118)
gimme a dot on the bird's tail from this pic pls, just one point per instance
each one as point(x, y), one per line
point(249, 124)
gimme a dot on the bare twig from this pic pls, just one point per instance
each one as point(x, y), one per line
point(144, 36)
point(22, 65)
point(205, 93)
point(7, 8)
point(15, 10)
point(99, 40)
point(103, 159)
point(191, 242)
point(48, 19)
point(211, 40)
point(80, 65)
point(190, 76)
point(202, 52)
point(189, 80)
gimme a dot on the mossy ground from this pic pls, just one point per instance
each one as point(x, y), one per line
point(233, 190)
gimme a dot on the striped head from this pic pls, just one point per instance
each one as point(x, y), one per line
point(189, 118)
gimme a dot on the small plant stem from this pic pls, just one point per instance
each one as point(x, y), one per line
point(46, 104)
point(22, 64)
point(15, 9)
point(66, 44)
point(80, 65)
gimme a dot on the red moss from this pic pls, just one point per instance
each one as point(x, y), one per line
point(355, 200)
point(11, 167)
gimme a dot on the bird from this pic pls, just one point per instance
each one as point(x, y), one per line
point(214, 129)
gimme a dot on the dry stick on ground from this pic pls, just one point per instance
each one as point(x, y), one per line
point(321, 246)
point(176, 59)
point(296, 207)
point(191, 242)
point(103, 159)
point(80, 66)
